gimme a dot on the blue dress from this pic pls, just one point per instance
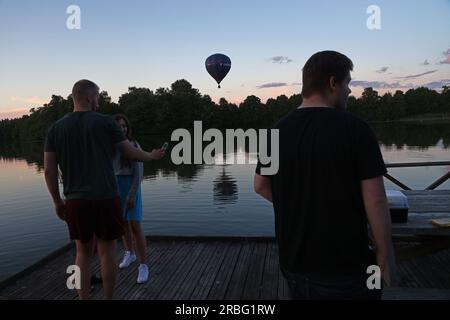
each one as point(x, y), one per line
point(124, 183)
point(129, 177)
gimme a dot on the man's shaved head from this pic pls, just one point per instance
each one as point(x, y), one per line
point(85, 94)
point(83, 88)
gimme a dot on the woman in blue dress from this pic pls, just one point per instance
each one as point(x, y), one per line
point(129, 176)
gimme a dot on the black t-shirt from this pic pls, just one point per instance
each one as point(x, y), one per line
point(320, 219)
point(83, 143)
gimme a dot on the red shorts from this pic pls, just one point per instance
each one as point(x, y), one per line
point(88, 217)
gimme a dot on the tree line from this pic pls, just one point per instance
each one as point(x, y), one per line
point(166, 109)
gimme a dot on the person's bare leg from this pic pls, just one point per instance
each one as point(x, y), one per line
point(83, 261)
point(107, 254)
point(140, 241)
point(127, 237)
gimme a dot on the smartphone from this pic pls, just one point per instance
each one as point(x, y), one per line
point(164, 146)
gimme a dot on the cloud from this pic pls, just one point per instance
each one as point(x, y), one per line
point(437, 85)
point(447, 57)
point(13, 113)
point(296, 84)
point(434, 85)
point(272, 85)
point(32, 101)
point(413, 76)
point(280, 59)
point(382, 69)
point(425, 63)
point(378, 84)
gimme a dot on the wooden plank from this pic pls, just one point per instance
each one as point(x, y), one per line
point(35, 280)
point(404, 278)
point(222, 280)
point(418, 275)
point(444, 261)
point(240, 273)
point(415, 294)
point(158, 282)
point(207, 278)
point(186, 287)
point(127, 278)
point(179, 276)
point(427, 192)
point(419, 224)
point(253, 284)
point(442, 270)
point(269, 290)
point(213, 269)
point(167, 256)
point(35, 266)
point(408, 270)
point(427, 273)
point(57, 280)
point(429, 207)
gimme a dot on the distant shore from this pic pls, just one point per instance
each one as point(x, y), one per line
point(419, 118)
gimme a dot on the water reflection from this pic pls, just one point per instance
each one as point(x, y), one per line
point(413, 135)
point(396, 137)
point(225, 189)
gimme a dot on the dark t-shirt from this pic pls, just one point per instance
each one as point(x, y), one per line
point(83, 143)
point(320, 219)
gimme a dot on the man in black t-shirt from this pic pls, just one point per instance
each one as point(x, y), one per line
point(328, 186)
point(81, 144)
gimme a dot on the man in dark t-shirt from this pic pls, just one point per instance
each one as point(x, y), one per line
point(328, 186)
point(82, 145)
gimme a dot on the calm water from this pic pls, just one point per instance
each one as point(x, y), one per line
point(185, 200)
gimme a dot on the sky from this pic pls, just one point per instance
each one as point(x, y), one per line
point(154, 43)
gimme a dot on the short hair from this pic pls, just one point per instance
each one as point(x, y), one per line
point(320, 67)
point(82, 88)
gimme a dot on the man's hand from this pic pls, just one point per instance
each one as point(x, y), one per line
point(60, 208)
point(381, 261)
point(377, 210)
point(158, 153)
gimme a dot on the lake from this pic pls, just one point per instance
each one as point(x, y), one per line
point(214, 200)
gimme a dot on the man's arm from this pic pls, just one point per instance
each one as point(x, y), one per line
point(51, 179)
point(377, 210)
point(263, 187)
point(135, 154)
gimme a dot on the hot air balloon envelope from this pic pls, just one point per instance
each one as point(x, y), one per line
point(218, 65)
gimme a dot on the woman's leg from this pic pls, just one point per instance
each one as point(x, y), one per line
point(127, 237)
point(140, 241)
point(129, 256)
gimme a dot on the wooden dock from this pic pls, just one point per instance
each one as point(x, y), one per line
point(205, 268)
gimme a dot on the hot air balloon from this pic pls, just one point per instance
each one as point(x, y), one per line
point(218, 66)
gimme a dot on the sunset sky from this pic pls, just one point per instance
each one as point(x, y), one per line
point(153, 43)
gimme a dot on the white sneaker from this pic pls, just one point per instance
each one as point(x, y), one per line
point(128, 258)
point(143, 273)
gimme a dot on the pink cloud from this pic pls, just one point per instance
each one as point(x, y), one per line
point(13, 113)
point(447, 57)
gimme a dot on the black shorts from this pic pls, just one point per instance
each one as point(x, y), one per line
point(88, 217)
